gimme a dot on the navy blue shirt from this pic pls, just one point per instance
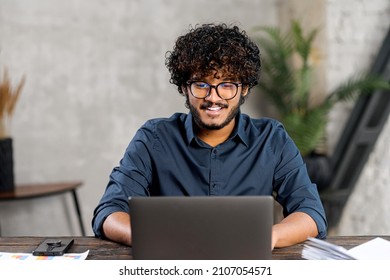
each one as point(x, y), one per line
point(165, 157)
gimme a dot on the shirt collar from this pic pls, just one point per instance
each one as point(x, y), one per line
point(189, 128)
point(239, 130)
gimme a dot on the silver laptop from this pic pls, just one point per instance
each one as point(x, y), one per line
point(201, 227)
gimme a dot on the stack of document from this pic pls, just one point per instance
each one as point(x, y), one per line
point(375, 249)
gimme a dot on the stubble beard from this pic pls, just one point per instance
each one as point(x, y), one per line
point(198, 120)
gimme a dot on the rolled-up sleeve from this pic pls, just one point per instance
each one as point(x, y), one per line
point(294, 189)
point(131, 178)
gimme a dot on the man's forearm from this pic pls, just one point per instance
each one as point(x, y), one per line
point(116, 227)
point(293, 229)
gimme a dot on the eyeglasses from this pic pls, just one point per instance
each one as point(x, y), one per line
point(225, 90)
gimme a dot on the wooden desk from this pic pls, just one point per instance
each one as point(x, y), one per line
point(29, 191)
point(107, 250)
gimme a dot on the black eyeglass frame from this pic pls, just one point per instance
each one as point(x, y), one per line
point(189, 84)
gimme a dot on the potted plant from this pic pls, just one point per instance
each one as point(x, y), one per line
point(287, 80)
point(8, 99)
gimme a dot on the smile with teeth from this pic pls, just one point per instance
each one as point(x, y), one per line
point(214, 108)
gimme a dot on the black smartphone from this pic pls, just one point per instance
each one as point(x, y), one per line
point(53, 247)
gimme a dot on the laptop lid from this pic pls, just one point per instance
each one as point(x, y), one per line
point(201, 227)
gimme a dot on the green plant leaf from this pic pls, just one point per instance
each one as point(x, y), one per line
point(288, 79)
point(355, 86)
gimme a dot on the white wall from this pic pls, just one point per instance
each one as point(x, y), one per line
point(356, 29)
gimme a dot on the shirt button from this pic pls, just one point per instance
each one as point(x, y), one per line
point(215, 152)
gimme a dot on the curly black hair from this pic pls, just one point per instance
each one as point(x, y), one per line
point(209, 48)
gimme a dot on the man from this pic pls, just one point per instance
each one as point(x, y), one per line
point(214, 149)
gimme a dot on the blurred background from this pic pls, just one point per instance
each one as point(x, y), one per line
point(95, 72)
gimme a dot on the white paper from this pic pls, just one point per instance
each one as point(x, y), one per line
point(375, 249)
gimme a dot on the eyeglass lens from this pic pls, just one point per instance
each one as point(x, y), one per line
point(225, 90)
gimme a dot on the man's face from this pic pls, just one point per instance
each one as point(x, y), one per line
point(214, 112)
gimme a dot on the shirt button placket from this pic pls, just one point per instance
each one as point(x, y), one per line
point(213, 172)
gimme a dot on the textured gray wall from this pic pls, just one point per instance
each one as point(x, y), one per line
point(95, 72)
